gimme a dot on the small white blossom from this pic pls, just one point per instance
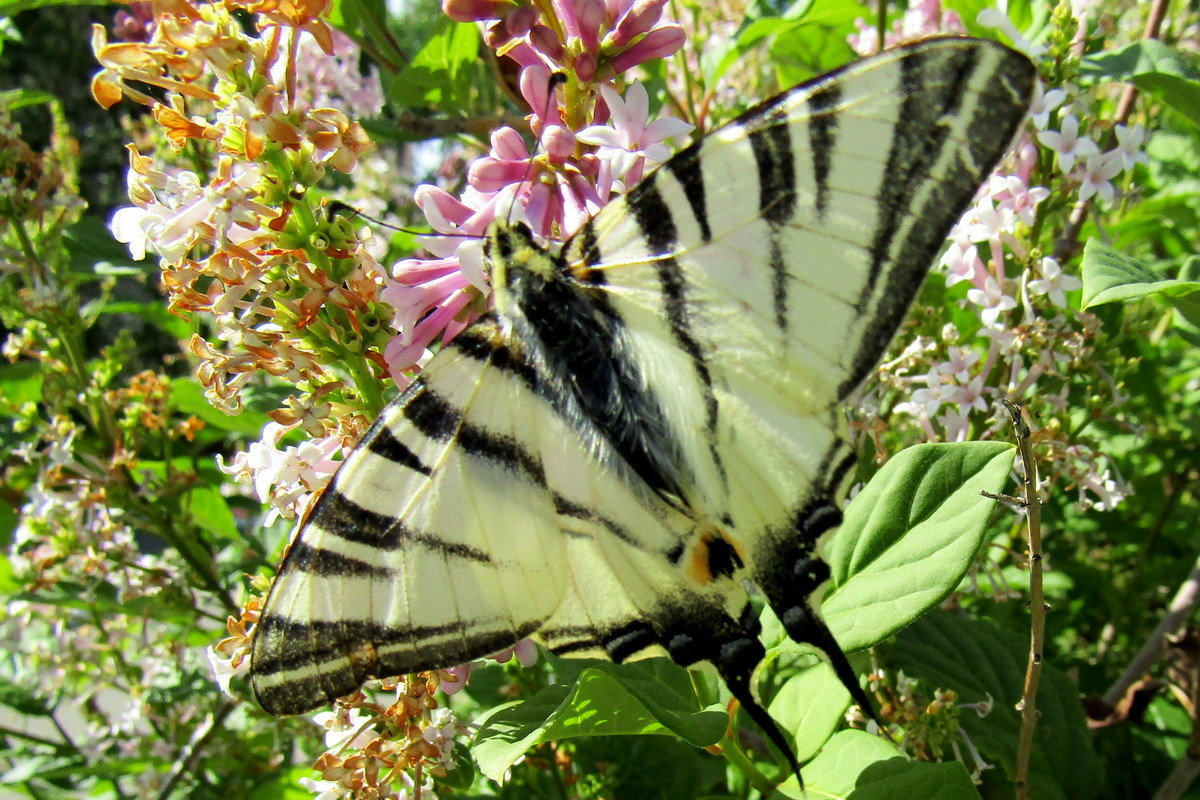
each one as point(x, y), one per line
point(224, 668)
point(1129, 145)
point(992, 300)
point(1068, 143)
point(1097, 175)
point(631, 137)
point(1054, 282)
point(325, 790)
point(1044, 104)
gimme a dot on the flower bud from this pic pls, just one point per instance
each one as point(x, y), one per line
point(658, 43)
point(640, 18)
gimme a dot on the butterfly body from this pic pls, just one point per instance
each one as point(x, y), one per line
point(649, 420)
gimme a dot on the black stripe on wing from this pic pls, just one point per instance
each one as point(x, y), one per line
point(657, 226)
point(822, 137)
point(932, 89)
point(686, 168)
point(301, 665)
point(771, 142)
point(575, 337)
point(382, 442)
point(339, 515)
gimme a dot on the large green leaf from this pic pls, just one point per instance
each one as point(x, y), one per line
point(858, 766)
point(1154, 67)
point(209, 510)
point(909, 537)
point(604, 699)
point(809, 706)
point(980, 661)
point(439, 75)
point(1110, 276)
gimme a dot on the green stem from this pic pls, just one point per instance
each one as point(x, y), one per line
point(379, 38)
point(7, 731)
point(734, 754)
point(366, 383)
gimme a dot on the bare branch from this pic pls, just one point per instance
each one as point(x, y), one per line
point(1183, 605)
point(1037, 601)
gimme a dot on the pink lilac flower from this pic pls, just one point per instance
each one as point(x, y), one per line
point(962, 261)
point(1068, 143)
point(1054, 283)
point(630, 140)
point(992, 300)
point(1097, 174)
point(555, 189)
point(1014, 196)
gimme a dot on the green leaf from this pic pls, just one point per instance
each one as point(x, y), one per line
point(1153, 67)
point(439, 75)
point(14, 99)
point(810, 706)
point(980, 661)
point(10, 8)
point(187, 397)
point(20, 383)
point(22, 700)
point(604, 700)
point(154, 312)
point(909, 537)
point(1110, 276)
point(858, 766)
point(210, 511)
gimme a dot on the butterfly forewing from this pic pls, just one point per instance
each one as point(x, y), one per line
point(761, 273)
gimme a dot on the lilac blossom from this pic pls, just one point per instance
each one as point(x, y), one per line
point(1054, 283)
point(1068, 143)
point(573, 173)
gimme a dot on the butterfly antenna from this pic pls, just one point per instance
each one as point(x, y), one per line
point(556, 79)
point(336, 207)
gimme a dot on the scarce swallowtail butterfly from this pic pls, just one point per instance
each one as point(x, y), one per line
point(648, 423)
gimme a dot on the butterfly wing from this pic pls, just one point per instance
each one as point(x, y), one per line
point(731, 300)
point(435, 543)
point(481, 508)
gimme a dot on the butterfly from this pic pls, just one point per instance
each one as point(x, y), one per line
point(648, 424)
